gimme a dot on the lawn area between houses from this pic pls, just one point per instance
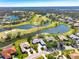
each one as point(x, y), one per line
point(17, 45)
point(41, 57)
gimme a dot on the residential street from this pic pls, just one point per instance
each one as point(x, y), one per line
point(36, 55)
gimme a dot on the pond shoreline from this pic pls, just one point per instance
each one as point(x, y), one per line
point(35, 30)
point(12, 26)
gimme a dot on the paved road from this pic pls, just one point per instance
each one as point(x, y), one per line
point(8, 46)
point(36, 55)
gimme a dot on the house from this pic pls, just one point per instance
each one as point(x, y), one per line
point(62, 37)
point(70, 19)
point(74, 37)
point(77, 34)
point(42, 43)
point(6, 53)
point(24, 46)
point(74, 55)
point(49, 38)
point(71, 23)
point(76, 24)
point(38, 41)
point(60, 19)
point(77, 21)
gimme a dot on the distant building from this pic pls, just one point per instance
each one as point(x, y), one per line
point(77, 21)
point(70, 19)
point(62, 37)
point(76, 24)
point(60, 19)
point(49, 38)
point(77, 34)
point(74, 37)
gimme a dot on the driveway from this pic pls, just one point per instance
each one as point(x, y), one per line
point(36, 55)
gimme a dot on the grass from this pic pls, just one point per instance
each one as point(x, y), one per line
point(50, 56)
point(55, 53)
point(41, 57)
point(37, 20)
point(34, 46)
point(67, 52)
point(17, 43)
point(71, 31)
point(12, 26)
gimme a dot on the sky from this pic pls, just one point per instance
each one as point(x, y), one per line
point(38, 3)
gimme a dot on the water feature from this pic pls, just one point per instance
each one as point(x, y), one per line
point(27, 26)
point(12, 18)
point(1, 30)
point(57, 30)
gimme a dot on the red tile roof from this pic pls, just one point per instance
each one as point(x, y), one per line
point(6, 53)
point(74, 55)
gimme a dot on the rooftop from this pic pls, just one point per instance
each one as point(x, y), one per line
point(6, 53)
point(74, 55)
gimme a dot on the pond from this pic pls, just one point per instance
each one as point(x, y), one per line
point(12, 18)
point(57, 30)
point(27, 26)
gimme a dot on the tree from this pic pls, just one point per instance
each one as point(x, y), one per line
point(29, 39)
point(40, 57)
point(2, 39)
point(8, 35)
point(52, 44)
point(18, 34)
point(42, 48)
point(50, 56)
point(68, 57)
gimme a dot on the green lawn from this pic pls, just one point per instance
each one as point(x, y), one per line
point(12, 26)
point(17, 43)
point(41, 57)
point(67, 52)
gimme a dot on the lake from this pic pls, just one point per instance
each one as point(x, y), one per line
point(27, 26)
point(12, 18)
point(57, 30)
